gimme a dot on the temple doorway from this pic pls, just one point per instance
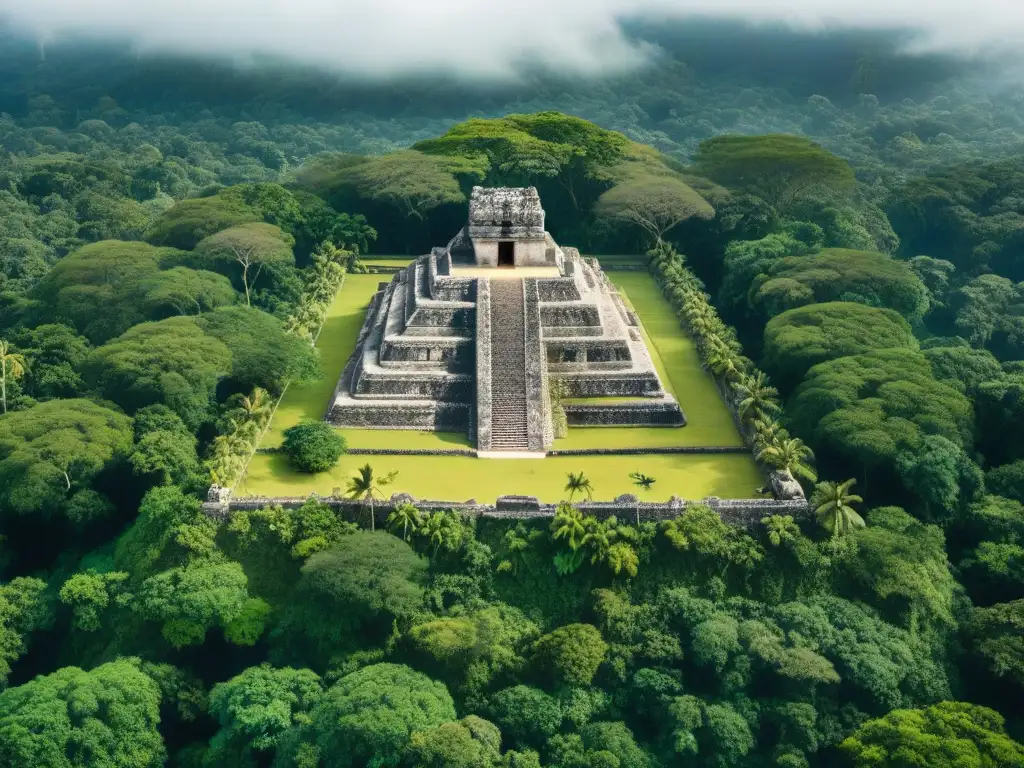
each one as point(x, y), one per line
point(506, 253)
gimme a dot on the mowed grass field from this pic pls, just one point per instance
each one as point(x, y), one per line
point(691, 476)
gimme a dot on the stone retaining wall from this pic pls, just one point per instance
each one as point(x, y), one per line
point(439, 416)
point(653, 414)
point(534, 366)
point(743, 512)
point(482, 406)
point(668, 449)
point(553, 315)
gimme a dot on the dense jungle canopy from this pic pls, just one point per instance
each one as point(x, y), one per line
point(171, 231)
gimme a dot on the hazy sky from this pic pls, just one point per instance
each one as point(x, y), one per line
point(484, 37)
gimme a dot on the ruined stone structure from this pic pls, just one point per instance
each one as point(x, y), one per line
point(466, 338)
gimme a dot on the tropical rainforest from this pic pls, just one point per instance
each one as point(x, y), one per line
point(844, 241)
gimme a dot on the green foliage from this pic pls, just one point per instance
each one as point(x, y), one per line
point(1007, 480)
point(410, 182)
point(53, 352)
point(370, 578)
point(837, 274)
point(191, 600)
point(655, 204)
point(571, 654)
point(24, 608)
point(105, 288)
point(470, 743)
point(170, 529)
point(107, 716)
point(246, 253)
point(256, 708)
point(901, 566)
point(799, 339)
point(313, 446)
point(869, 408)
point(190, 221)
point(368, 716)
point(777, 167)
point(964, 213)
point(54, 448)
point(950, 733)
point(170, 362)
point(996, 636)
point(263, 354)
point(88, 594)
point(962, 367)
point(526, 715)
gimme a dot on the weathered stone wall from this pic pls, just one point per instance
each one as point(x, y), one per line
point(625, 385)
point(439, 416)
point(452, 353)
point(558, 289)
point(534, 367)
point(452, 387)
point(743, 512)
point(482, 406)
point(655, 414)
point(576, 316)
point(442, 317)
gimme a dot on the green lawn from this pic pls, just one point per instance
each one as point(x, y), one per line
point(455, 478)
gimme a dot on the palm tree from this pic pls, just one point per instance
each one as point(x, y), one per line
point(832, 504)
point(441, 528)
point(644, 482)
point(405, 516)
point(578, 483)
point(365, 486)
point(766, 432)
point(724, 362)
point(12, 365)
point(757, 398)
point(256, 405)
point(791, 455)
point(569, 525)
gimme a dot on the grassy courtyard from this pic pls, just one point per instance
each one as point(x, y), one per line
point(688, 475)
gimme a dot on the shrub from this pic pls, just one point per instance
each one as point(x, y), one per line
point(313, 446)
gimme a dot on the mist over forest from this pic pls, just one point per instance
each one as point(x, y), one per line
point(823, 210)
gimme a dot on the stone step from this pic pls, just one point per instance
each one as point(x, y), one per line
point(509, 430)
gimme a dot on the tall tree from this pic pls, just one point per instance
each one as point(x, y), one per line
point(106, 716)
point(777, 167)
point(643, 482)
point(654, 203)
point(833, 506)
point(947, 735)
point(56, 448)
point(577, 482)
point(245, 252)
point(366, 486)
point(171, 362)
point(12, 368)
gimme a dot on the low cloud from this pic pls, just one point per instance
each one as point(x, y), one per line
point(468, 37)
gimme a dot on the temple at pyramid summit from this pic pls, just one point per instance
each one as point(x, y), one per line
point(471, 337)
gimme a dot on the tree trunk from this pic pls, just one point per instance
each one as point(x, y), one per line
point(373, 522)
point(3, 385)
point(245, 283)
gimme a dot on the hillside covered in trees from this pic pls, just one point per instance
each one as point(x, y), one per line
point(844, 245)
